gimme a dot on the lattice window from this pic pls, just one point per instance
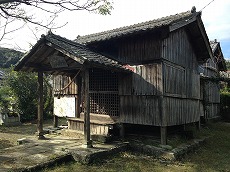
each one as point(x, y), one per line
point(103, 88)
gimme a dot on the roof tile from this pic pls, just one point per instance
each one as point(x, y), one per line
point(136, 28)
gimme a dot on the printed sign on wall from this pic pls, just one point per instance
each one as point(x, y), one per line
point(64, 107)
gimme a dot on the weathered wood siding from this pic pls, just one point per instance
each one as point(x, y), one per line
point(95, 128)
point(139, 50)
point(178, 50)
point(181, 80)
point(181, 111)
point(139, 95)
point(212, 110)
point(165, 92)
point(210, 93)
point(60, 81)
point(140, 109)
point(145, 80)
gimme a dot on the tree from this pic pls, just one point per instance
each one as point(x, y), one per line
point(20, 90)
point(17, 10)
point(228, 64)
point(9, 57)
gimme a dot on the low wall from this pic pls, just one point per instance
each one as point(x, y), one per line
point(9, 120)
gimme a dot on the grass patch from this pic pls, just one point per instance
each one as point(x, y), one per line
point(211, 157)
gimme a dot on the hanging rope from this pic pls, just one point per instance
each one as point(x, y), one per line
point(65, 87)
point(206, 5)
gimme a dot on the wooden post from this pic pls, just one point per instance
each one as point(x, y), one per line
point(164, 121)
point(164, 135)
point(40, 106)
point(198, 125)
point(88, 142)
point(55, 121)
point(122, 131)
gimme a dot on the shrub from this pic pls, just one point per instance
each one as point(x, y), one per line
point(22, 87)
point(225, 103)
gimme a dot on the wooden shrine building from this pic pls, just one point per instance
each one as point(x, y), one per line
point(210, 89)
point(145, 74)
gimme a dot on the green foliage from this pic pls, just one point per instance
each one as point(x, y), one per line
point(22, 87)
point(227, 64)
point(8, 101)
point(9, 57)
point(225, 102)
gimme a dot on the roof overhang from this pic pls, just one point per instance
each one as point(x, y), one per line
point(56, 55)
point(191, 21)
point(216, 49)
point(199, 39)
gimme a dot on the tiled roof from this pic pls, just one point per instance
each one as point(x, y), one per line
point(215, 46)
point(81, 51)
point(76, 50)
point(136, 28)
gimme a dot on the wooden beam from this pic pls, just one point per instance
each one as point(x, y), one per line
point(40, 106)
point(77, 59)
point(47, 68)
point(88, 142)
point(204, 35)
point(181, 24)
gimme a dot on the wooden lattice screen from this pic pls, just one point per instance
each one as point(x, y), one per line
point(103, 86)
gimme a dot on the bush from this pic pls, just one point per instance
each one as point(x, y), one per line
point(225, 103)
point(22, 87)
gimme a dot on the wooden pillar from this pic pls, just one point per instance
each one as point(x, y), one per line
point(88, 142)
point(198, 125)
point(55, 121)
point(40, 106)
point(164, 135)
point(164, 121)
point(122, 131)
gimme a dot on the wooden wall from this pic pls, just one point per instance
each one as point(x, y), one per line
point(181, 111)
point(166, 91)
point(139, 95)
point(139, 50)
point(181, 80)
point(60, 81)
point(210, 93)
point(140, 109)
point(145, 80)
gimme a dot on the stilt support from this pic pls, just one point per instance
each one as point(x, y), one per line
point(122, 131)
point(164, 135)
point(198, 125)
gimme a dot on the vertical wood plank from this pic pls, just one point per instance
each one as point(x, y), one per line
point(78, 99)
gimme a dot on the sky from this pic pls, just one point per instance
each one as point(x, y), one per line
point(215, 17)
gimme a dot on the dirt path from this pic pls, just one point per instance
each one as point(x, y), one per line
point(10, 135)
